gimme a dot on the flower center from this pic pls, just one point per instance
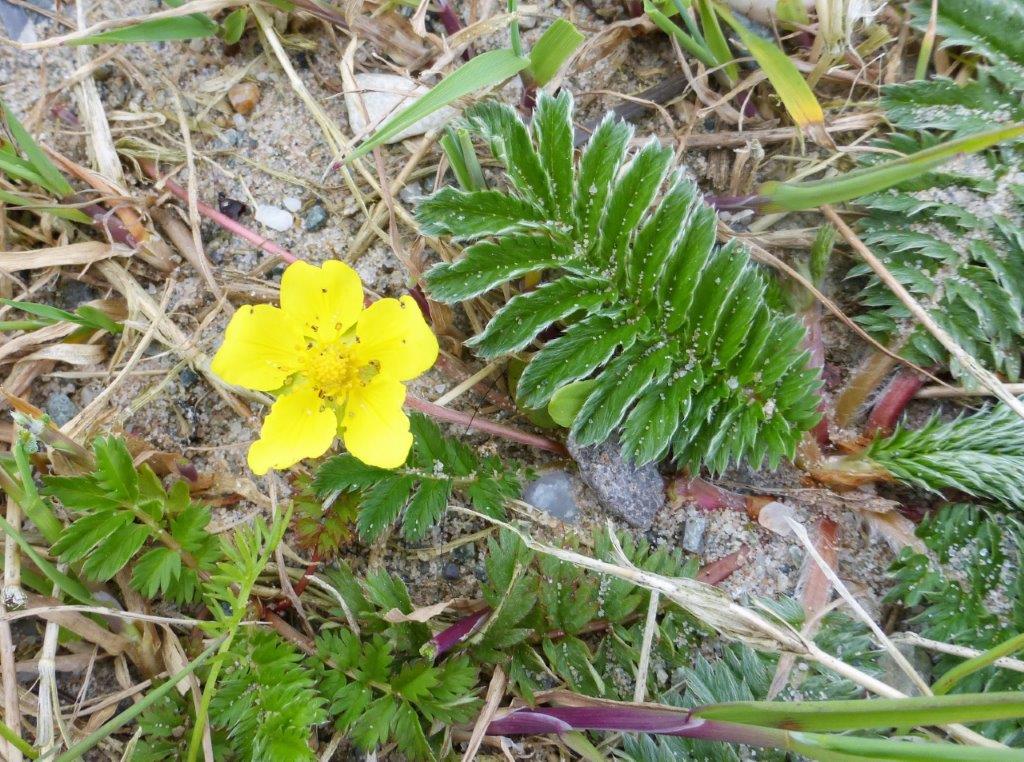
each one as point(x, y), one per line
point(330, 369)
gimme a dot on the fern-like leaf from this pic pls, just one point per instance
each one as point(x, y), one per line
point(438, 466)
point(981, 455)
point(955, 237)
point(687, 356)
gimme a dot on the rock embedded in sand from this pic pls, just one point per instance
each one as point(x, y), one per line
point(634, 493)
point(274, 217)
point(381, 96)
point(552, 492)
point(243, 97)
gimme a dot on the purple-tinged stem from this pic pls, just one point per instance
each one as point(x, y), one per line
point(814, 343)
point(450, 19)
point(893, 401)
point(751, 201)
point(631, 718)
point(450, 637)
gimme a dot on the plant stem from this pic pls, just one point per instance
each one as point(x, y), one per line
point(892, 402)
point(77, 751)
point(33, 505)
point(860, 386)
point(513, 29)
point(20, 743)
point(945, 683)
point(711, 497)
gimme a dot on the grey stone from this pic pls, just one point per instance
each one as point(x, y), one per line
point(451, 571)
point(188, 377)
point(695, 534)
point(61, 408)
point(411, 193)
point(315, 218)
point(227, 139)
point(552, 492)
point(635, 494)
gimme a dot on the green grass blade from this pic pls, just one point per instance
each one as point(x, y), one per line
point(32, 205)
point(78, 750)
point(789, 84)
point(688, 43)
point(874, 713)
point(72, 587)
point(559, 41)
point(50, 177)
point(191, 27)
point(483, 71)
point(835, 747)
point(716, 41)
point(20, 743)
point(234, 25)
point(945, 683)
point(797, 196)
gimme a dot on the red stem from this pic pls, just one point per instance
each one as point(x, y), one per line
point(892, 402)
point(706, 495)
point(814, 343)
point(221, 219)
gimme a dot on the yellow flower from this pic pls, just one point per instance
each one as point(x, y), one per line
point(335, 368)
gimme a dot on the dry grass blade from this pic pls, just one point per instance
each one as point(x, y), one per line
point(958, 353)
point(74, 254)
point(495, 692)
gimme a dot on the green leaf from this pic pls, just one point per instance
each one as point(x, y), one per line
point(861, 714)
point(115, 470)
point(797, 196)
point(716, 42)
point(789, 84)
point(114, 552)
point(552, 50)
point(566, 403)
point(553, 131)
point(583, 347)
point(344, 473)
point(517, 323)
point(475, 213)
point(49, 176)
point(427, 506)
point(510, 143)
point(193, 26)
point(630, 198)
point(481, 72)
point(381, 505)
point(234, 25)
point(156, 571)
point(486, 265)
point(598, 167)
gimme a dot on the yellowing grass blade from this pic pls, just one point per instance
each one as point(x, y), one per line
point(789, 84)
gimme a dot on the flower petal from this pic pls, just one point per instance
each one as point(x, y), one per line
point(376, 427)
point(299, 426)
point(261, 348)
point(393, 333)
point(326, 300)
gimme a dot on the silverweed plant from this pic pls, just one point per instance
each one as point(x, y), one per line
point(681, 352)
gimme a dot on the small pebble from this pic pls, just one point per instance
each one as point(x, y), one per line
point(243, 97)
point(315, 218)
point(230, 207)
point(291, 203)
point(410, 193)
point(240, 124)
point(552, 492)
point(61, 408)
point(274, 217)
point(694, 534)
point(451, 572)
point(227, 139)
point(634, 493)
point(188, 377)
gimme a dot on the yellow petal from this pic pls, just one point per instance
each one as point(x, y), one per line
point(376, 428)
point(393, 333)
point(261, 349)
point(299, 426)
point(326, 300)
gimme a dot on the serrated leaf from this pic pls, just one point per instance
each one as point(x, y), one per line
point(598, 166)
point(345, 472)
point(381, 505)
point(630, 198)
point(156, 571)
point(553, 131)
point(115, 551)
point(486, 265)
point(510, 143)
point(526, 315)
point(426, 507)
point(115, 469)
point(472, 214)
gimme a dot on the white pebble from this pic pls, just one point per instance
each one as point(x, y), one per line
point(274, 217)
point(291, 203)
